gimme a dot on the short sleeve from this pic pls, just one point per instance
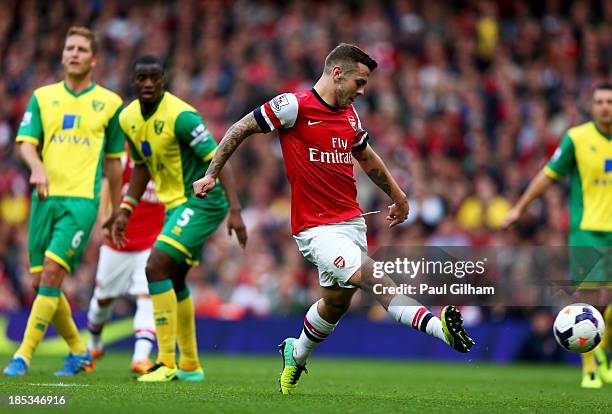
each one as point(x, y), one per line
point(115, 138)
point(562, 161)
point(361, 136)
point(191, 130)
point(280, 112)
point(30, 128)
point(361, 141)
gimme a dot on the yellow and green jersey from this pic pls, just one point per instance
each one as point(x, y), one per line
point(174, 143)
point(585, 154)
point(75, 130)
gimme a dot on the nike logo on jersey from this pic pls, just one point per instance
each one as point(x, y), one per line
point(313, 122)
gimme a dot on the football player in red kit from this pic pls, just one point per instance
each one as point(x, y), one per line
point(121, 271)
point(320, 134)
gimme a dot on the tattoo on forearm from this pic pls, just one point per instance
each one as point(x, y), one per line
point(381, 180)
point(233, 137)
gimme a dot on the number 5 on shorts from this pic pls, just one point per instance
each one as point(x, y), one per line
point(185, 217)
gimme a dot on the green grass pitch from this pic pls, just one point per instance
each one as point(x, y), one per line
point(248, 384)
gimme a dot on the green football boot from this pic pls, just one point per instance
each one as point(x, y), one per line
point(291, 369)
point(159, 373)
point(196, 375)
point(454, 331)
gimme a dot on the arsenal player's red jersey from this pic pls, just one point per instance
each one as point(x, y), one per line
point(317, 141)
point(147, 219)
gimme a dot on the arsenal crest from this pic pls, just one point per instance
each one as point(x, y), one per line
point(352, 122)
point(159, 126)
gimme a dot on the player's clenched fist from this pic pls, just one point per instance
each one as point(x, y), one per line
point(203, 186)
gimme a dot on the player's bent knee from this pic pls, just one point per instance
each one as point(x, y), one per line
point(52, 274)
point(159, 266)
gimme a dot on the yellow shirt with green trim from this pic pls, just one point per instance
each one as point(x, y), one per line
point(174, 143)
point(75, 131)
point(585, 154)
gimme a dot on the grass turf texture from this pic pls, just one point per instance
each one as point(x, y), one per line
point(249, 384)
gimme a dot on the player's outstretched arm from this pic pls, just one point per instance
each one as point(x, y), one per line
point(38, 177)
point(138, 183)
point(540, 183)
point(233, 137)
point(234, 220)
point(375, 168)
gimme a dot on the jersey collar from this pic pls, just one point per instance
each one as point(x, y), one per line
point(83, 92)
point(325, 104)
point(606, 136)
point(150, 114)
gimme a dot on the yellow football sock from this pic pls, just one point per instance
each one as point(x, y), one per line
point(606, 341)
point(186, 335)
point(66, 328)
point(44, 307)
point(165, 315)
point(588, 362)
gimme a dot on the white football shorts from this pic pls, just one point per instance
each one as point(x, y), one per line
point(335, 249)
point(121, 273)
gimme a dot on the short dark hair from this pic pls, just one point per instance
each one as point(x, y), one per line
point(606, 86)
point(148, 60)
point(348, 56)
point(87, 34)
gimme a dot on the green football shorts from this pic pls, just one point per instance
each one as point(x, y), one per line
point(189, 225)
point(60, 229)
point(591, 258)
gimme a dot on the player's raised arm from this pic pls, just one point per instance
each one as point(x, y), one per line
point(233, 137)
point(375, 168)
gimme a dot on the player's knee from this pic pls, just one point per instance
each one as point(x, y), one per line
point(156, 269)
point(52, 274)
point(160, 266)
point(151, 271)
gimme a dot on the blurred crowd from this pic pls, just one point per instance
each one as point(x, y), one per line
point(469, 101)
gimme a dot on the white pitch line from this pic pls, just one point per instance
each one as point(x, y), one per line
point(61, 384)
